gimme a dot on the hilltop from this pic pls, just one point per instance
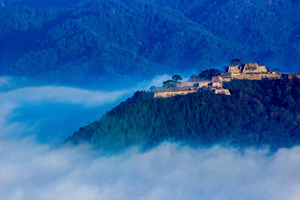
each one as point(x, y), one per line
point(214, 83)
point(257, 113)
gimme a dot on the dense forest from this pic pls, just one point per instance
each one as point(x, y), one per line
point(79, 41)
point(257, 114)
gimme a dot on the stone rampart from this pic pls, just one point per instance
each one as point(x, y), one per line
point(185, 84)
point(222, 91)
point(234, 69)
point(217, 84)
point(226, 79)
point(254, 68)
point(172, 93)
point(296, 75)
point(249, 71)
point(255, 76)
point(247, 68)
point(193, 84)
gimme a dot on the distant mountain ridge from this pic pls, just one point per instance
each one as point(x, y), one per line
point(118, 40)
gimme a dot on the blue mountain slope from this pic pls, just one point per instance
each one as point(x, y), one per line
point(92, 41)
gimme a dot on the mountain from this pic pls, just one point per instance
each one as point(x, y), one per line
point(91, 41)
point(257, 114)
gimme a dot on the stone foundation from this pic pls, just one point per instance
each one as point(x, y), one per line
point(222, 91)
point(255, 76)
point(172, 93)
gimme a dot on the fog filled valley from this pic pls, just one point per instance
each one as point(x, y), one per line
point(33, 171)
point(78, 120)
point(35, 121)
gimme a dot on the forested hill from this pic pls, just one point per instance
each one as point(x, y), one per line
point(86, 40)
point(257, 114)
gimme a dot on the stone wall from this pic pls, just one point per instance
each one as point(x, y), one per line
point(253, 68)
point(292, 75)
point(234, 69)
point(255, 76)
point(172, 93)
point(226, 79)
point(222, 91)
point(186, 92)
point(217, 84)
point(186, 84)
point(193, 84)
point(217, 79)
point(247, 68)
point(203, 83)
point(296, 75)
point(249, 71)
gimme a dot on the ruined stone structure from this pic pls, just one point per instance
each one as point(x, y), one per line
point(172, 93)
point(249, 71)
point(167, 94)
point(221, 91)
point(197, 84)
point(255, 76)
point(185, 88)
point(247, 68)
point(217, 84)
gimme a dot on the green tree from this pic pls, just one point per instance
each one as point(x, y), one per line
point(209, 73)
point(168, 83)
point(194, 78)
point(176, 79)
point(236, 61)
point(153, 89)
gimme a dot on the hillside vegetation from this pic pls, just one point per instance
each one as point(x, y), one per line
point(258, 113)
point(91, 40)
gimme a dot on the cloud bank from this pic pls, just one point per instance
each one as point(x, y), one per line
point(50, 111)
point(31, 171)
point(56, 110)
point(60, 94)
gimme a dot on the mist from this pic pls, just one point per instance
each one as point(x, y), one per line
point(35, 120)
point(51, 113)
point(33, 171)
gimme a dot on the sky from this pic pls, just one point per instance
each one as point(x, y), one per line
point(35, 120)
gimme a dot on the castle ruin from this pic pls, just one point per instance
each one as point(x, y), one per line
point(248, 71)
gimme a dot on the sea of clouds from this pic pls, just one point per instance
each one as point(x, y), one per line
point(35, 120)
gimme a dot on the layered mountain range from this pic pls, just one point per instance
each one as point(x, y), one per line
point(126, 41)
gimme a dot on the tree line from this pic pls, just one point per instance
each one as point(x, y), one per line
point(122, 39)
point(257, 114)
